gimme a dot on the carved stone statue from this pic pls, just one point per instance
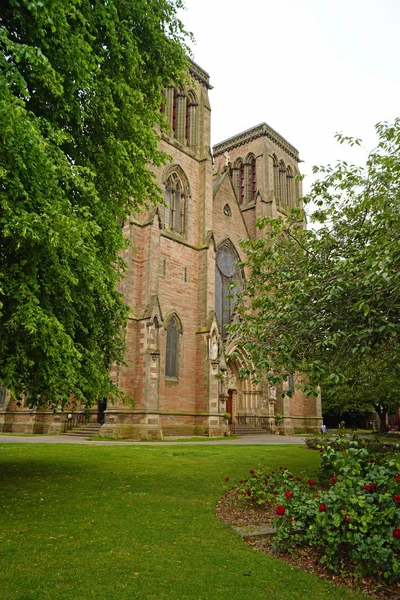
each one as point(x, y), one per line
point(214, 347)
point(231, 380)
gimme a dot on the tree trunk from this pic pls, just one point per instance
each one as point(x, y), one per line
point(382, 412)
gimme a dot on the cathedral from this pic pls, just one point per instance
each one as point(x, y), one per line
point(181, 283)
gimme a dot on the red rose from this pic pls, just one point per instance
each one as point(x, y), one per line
point(280, 511)
point(367, 488)
point(398, 478)
point(248, 492)
point(372, 460)
point(290, 476)
point(347, 518)
point(266, 482)
point(292, 519)
point(322, 507)
point(396, 498)
point(396, 533)
point(280, 468)
point(251, 471)
point(288, 494)
point(311, 482)
point(373, 486)
point(226, 478)
point(333, 480)
point(298, 478)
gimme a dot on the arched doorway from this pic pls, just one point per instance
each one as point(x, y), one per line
point(233, 385)
point(229, 406)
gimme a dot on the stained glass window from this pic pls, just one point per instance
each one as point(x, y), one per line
point(172, 348)
point(227, 286)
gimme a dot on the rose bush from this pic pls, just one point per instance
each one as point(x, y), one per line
point(354, 520)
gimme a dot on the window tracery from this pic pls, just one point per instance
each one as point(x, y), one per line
point(228, 284)
point(181, 110)
point(172, 347)
point(285, 187)
point(253, 178)
point(175, 198)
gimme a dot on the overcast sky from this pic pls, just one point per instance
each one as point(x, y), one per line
point(308, 68)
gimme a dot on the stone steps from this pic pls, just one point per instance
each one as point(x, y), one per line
point(87, 430)
point(247, 430)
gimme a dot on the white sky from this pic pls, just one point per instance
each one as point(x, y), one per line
point(308, 68)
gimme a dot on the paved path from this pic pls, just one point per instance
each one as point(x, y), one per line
point(170, 441)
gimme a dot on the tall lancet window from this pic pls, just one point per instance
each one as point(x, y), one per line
point(175, 204)
point(172, 348)
point(253, 173)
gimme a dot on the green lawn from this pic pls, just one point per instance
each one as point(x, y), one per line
point(118, 523)
point(98, 438)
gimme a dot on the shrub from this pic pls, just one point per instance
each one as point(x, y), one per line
point(355, 519)
point(262, 487)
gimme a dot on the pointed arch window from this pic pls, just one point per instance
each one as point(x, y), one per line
point(253, 178)
point(239, 180)
point(191, 120)
point(174, 111)
point(172, 348)
point(276, 179)
point(242, 184)
point(228, 283)
point(282, 185)
point(290, 193)
point(175, 204)
point(250, 179)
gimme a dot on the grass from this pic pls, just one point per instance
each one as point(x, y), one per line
point(137, 522)
point(22, 434)
point(98, 438)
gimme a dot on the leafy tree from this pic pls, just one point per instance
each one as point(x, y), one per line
point(370, 385)
point(80, 89)
point(326, 302)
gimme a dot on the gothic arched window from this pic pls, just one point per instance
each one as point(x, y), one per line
point(172, 348)
point(227, 285)
point(291, 200)
point(276, 179)
point(242, 184)
point(175, 204)
point(191, 126)
point(181, 110)
point(253, 178)
point(282, 185)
